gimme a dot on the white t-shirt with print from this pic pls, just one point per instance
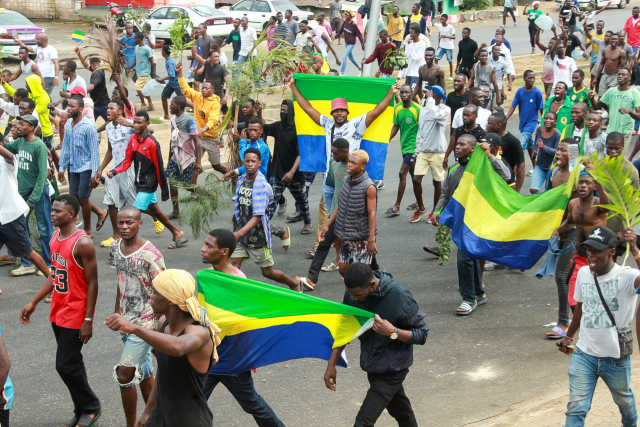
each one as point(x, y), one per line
point(596, 145)
point(446, 31)
point(563, 70)
point(44, 58)
point(598, 336)
point(352, 131)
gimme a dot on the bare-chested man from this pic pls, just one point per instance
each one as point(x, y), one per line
point(584, 215)
point(612, 59)
point(430, 74)
point(559, 176)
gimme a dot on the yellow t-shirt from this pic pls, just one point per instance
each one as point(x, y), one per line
point(394, 25)
point(415, 19)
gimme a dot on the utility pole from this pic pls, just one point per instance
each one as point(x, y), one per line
point(372, 35)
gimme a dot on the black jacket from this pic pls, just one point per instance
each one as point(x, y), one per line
point(380, 354)
point(427, 7)
point(285, 147)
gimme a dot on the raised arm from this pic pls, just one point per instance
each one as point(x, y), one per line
point(304, 104)
point(542, 47)
point(552, 48)
point(382, 105)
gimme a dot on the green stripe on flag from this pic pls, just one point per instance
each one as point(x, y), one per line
point(254, 299)
point(367, 90)
point(507, 201)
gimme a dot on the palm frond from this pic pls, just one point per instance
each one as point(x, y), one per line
point(104, 45)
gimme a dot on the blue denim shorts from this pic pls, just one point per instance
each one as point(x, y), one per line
point(539, 178)
point(442, 51)
point(136, 354)
point(526, 139)
point(143, 200)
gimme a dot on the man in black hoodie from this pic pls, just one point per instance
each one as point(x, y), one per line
point(283, 168)
point(386, 350)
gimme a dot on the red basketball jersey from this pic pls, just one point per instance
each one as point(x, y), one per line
point(69, 302)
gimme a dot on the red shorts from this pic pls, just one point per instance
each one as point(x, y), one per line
point(577, 262)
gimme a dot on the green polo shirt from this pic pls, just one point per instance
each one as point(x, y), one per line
point(564, 113)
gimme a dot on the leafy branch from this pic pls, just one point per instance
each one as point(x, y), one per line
point(179, 33)
point(443, 239)
point(395, 58)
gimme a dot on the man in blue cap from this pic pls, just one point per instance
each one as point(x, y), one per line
point(431, 143)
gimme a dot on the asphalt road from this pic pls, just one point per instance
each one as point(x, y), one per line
point(492, 360)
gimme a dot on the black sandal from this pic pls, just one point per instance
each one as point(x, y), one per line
point(73, 421)
point(87, 421)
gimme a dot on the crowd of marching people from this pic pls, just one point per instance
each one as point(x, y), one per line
point(578, 112)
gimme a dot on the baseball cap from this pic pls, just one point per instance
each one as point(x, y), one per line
point(78, 90)
point(437, 90)
point(493, 139)
point(29, 119)
point(601, 238)
point(339, 104)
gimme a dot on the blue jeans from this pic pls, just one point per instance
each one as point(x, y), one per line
point(242, 389)
point(348, 53)
point(636, 163)
point(584, 371)
point(327, 194)
point(526, 139)
point(539, 178)
point(469, 278)
point(42, 209)
point(242, 59)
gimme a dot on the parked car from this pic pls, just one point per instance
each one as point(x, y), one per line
point(600, 3)
point(16, 23)
point(259, 11)
point(218, 23)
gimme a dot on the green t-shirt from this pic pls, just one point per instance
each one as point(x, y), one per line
point(32, 167)
point(407, 120)
point(616, 99)
point(579, 96)
point(143, 66)
point(532, 15)
point(337, 172)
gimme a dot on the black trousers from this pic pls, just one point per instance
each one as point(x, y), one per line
point(386, 391)
point(505, 12)
point(532, 35)
point(4, 418)
point(71, 369)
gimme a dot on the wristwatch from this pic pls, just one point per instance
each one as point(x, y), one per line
point(394, 335)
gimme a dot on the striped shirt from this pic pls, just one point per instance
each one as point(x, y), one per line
point(119, 137)
point(80, 148)
point(261, 197)
point(247, 38)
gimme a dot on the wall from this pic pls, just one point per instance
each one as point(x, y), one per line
point(42, 8)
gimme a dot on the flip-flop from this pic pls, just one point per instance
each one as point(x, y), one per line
point(392, 212)
point(145, 108)
point(87, 421)
point(308, 284)
point(467, 308)
point(151, 109)
point(100, 222)
point(73, 421)
point(286, 243)
point(330, 267)
point(412, 207)
point(5, 260)
point(307, 229)
point(172, 216)
point(178, 243)
point(312, 252)
point(558, 330)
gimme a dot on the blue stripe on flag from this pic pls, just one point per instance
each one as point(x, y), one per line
point(313, 155)
point(377, 156)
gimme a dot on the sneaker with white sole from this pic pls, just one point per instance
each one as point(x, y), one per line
point(488, 266)
point(22, 270)
point(418, 214)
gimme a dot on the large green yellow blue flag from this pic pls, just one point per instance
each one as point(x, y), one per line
point(363, 94)
point(263, 324)
point(491, 221)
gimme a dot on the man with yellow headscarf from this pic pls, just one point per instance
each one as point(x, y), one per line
point(185, 348)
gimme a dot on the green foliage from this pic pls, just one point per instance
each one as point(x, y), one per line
point(179, 33)
point(198, 212)
point(395, 58)
point(135, 15)
point(477, 4)
point(155, 121)
point(443, 239)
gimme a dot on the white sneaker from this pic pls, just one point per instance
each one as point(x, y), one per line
point(22, 270)
point(359, 74)
point(342, 74)
point(39, 273)
point(488, 266)
point(450, 78)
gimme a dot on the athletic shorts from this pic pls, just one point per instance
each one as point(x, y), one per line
point(212, 148)
point(173, 172)
point(407, 159)
point(526, 140)
point(168, 91)
point(577, 262)
point(143, 200)
point(135, 354)
point(14, 234)
point(441, 53)
point(121, 189)
point(142, 80)
point(261, 256)
point(433, 161)
point(355, 251)
point(79, 184)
